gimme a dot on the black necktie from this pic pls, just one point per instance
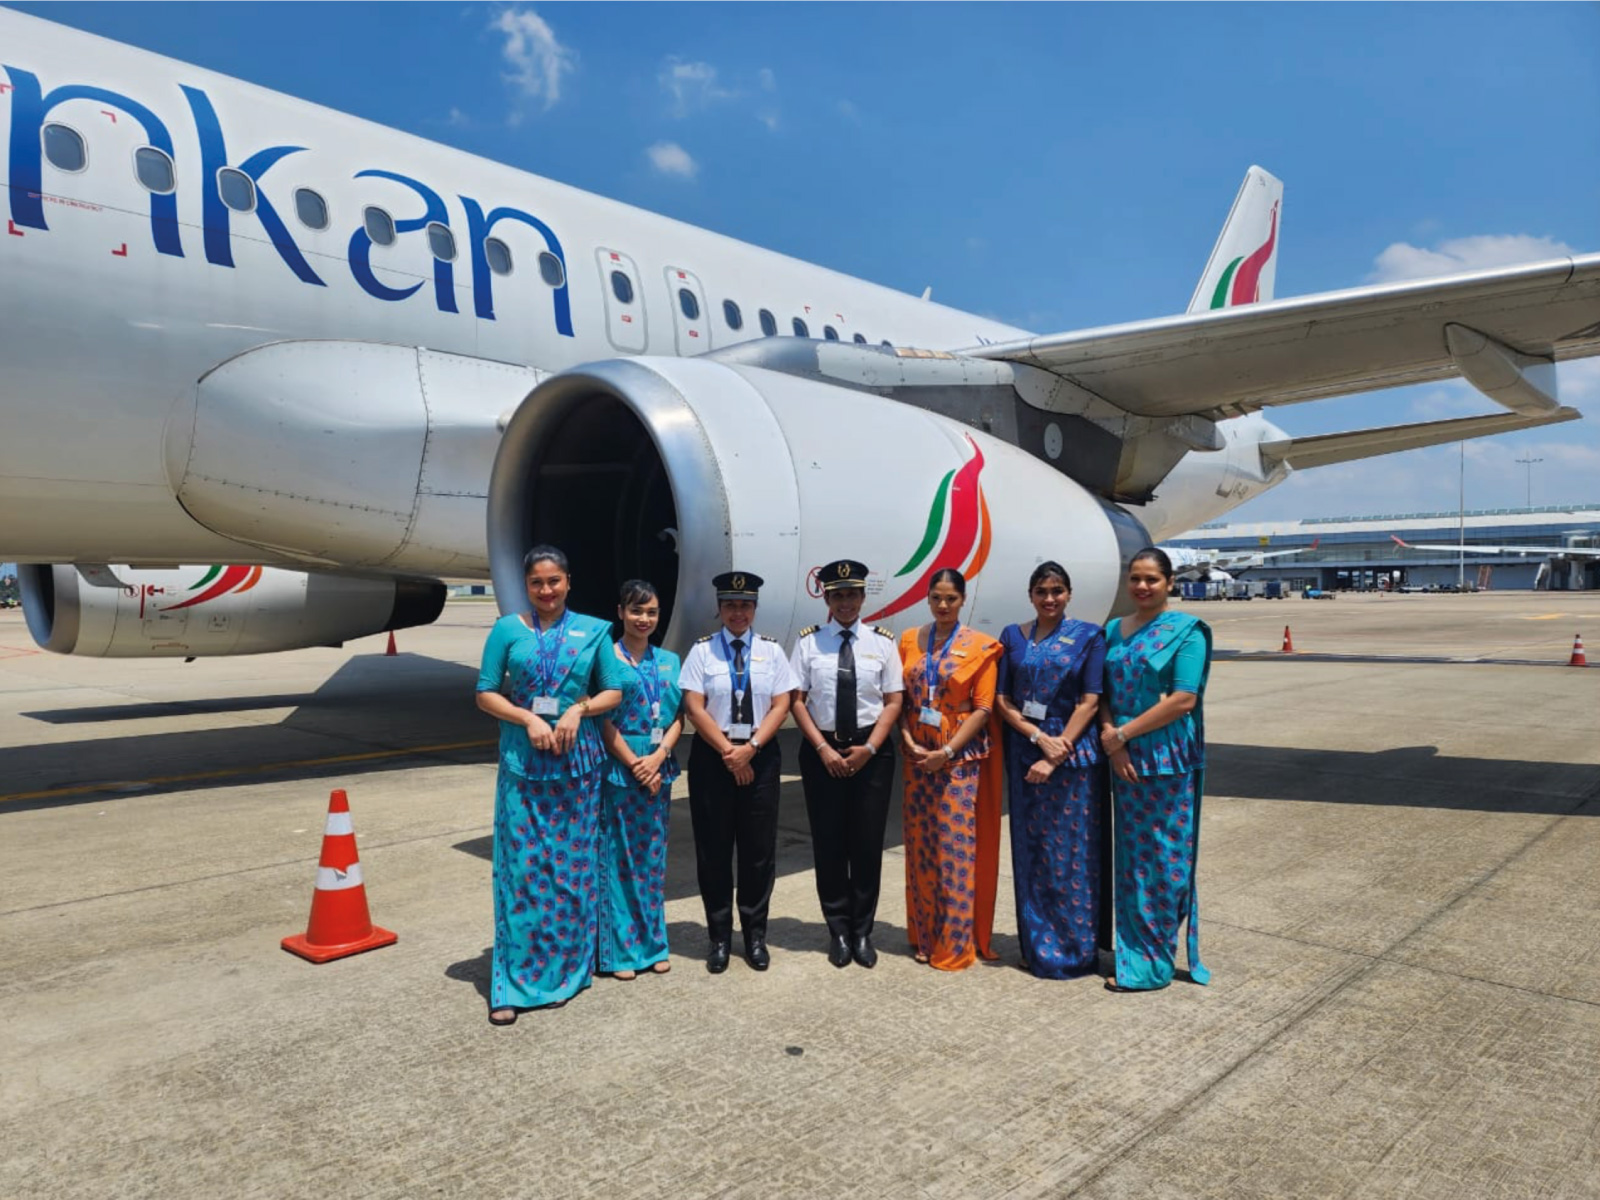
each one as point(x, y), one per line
point(844, 715)
point(744, 706)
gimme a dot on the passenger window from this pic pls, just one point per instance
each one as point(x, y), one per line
point(732, 315)
point(64, 148)
point(551, 270)
point(441, 241)
point(311, 208)
point(769, 323)
point(379, 226)
point(687, 302)
point(154, 169)
point(238, 190)
point(621, 287)
point(499, 256)
point(859, 339)
point(829, 332)
point(800, 329)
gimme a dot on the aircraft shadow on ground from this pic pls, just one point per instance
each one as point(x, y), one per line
point(371, 705)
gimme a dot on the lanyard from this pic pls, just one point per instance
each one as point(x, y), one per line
point(932, 663)
point(741, 682)
point(1031, 654)
point(550, 643)
point(649, 680)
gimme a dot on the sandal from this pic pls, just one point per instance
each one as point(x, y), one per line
point(624, 975)
point(1113, 986)
point(920, 957)
point(503, 1016)
point(660, 968)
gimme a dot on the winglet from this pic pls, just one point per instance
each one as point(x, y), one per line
point(1396, 540)
point(1244, 263)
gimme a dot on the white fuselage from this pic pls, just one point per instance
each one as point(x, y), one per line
point(118, 299)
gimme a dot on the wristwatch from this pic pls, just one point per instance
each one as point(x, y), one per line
point(754, 744)
point(1037, 734)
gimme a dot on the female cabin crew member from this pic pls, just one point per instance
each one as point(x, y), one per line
point(736, 693)
point(1151, 727)
point(546, 677)
point(953, 784)
point(1050, 685)
point(636, 795)
point(850, 685)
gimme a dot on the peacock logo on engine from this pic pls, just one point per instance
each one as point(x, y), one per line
point(961, 513)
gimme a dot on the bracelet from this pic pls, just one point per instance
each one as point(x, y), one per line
point(584, 705)
point(949, 750)
point(871, 747)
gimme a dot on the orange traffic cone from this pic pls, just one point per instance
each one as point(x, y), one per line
point(340, 923)
point(1577, 659)
point(391, 651)
point(1288, 642)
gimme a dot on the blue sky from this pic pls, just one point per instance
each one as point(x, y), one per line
point(1054, 166)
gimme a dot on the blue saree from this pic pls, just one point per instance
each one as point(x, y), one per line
point(633, 823)
point(1055, 825)
point(546, 812)
point(1158, 818)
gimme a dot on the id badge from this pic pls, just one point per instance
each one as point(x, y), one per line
point(1034, 711)
point(545, 706)
point(931, 716)
point(656, 736)
point(740, 733)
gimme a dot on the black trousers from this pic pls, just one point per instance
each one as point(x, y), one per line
point(726, 817)
point(847, 821)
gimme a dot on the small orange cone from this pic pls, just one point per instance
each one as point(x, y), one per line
point(1288, 642)
point(340, 923)
point(1577, 659)
point(391, 651)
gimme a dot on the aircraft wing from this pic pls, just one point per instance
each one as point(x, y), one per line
point(1325, 449)
point(1236, 360)
point(1547, 551)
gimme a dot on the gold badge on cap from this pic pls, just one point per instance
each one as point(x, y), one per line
point(842, 570)
point(738, 583)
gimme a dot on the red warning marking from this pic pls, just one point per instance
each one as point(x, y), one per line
point(4, 88)
point(123, 252)
point(11, 228)
point(626, 319)
point(694, 333)
point(110, 114)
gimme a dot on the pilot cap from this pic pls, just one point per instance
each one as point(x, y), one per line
point(737, 585)
point(843, 573)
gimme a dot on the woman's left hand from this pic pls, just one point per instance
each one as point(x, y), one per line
point(1122, 766)
point(567, 729)
point(1041, 771)
point(1112, 739)
point(1053, 748)
point(647, 766)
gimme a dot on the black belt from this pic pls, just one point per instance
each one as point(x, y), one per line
point(833, 739)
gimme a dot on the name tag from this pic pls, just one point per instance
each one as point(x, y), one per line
point(931, 716)
point(545, 706)
point(656, 735)
point(740, 733)
point(1034, 711)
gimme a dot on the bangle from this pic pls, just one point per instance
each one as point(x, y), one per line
point(949, 750)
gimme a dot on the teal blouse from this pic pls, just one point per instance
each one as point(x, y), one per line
point(632, 717)
point(1170, 654)
point(567, 664)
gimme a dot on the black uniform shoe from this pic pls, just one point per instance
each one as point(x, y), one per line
point(863, 952)
point(755, 952)
point(717, 957)
point(839, 952)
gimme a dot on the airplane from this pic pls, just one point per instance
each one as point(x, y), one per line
point(334, 365)
point(1223, 565)
point(1524, 548)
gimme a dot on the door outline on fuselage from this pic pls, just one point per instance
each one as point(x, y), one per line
point(625, 323)
point(693, 335)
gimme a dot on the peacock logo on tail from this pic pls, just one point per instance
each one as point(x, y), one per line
point(1244, 272)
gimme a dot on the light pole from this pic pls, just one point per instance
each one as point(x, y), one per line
point(1529, 463)
point(1461, 527)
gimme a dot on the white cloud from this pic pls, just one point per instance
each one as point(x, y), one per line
point(537, 61)
point(1402, 260)
point(769, 81)
point(692, 86)
point(669, 158)
point(458, 119)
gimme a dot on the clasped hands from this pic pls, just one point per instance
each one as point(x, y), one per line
point(841, 766)
point(558, 739)
point(737, 759)
point(1053, 752)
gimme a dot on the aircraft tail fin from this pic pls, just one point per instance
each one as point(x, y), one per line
point(1244, 263)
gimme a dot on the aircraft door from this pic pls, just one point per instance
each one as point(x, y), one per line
point(625, 320)
point(690, 322)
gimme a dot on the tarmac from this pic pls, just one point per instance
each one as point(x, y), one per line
point(1398, 887)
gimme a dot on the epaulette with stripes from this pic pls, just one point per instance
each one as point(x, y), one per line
point(773, 640)
point(884, 631)
point(809, 630)
point(707, 638)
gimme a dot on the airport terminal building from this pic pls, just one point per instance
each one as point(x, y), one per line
point(1361, 553)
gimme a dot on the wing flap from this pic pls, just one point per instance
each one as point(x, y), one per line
point(1220, 364)
point(1326, 449)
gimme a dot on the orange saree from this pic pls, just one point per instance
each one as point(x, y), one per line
point(952, 816)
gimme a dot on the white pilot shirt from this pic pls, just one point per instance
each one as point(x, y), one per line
point(816, 665)
point(708, 670)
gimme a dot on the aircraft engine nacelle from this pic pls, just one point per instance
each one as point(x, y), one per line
point(200, 611)
point(674, 470)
